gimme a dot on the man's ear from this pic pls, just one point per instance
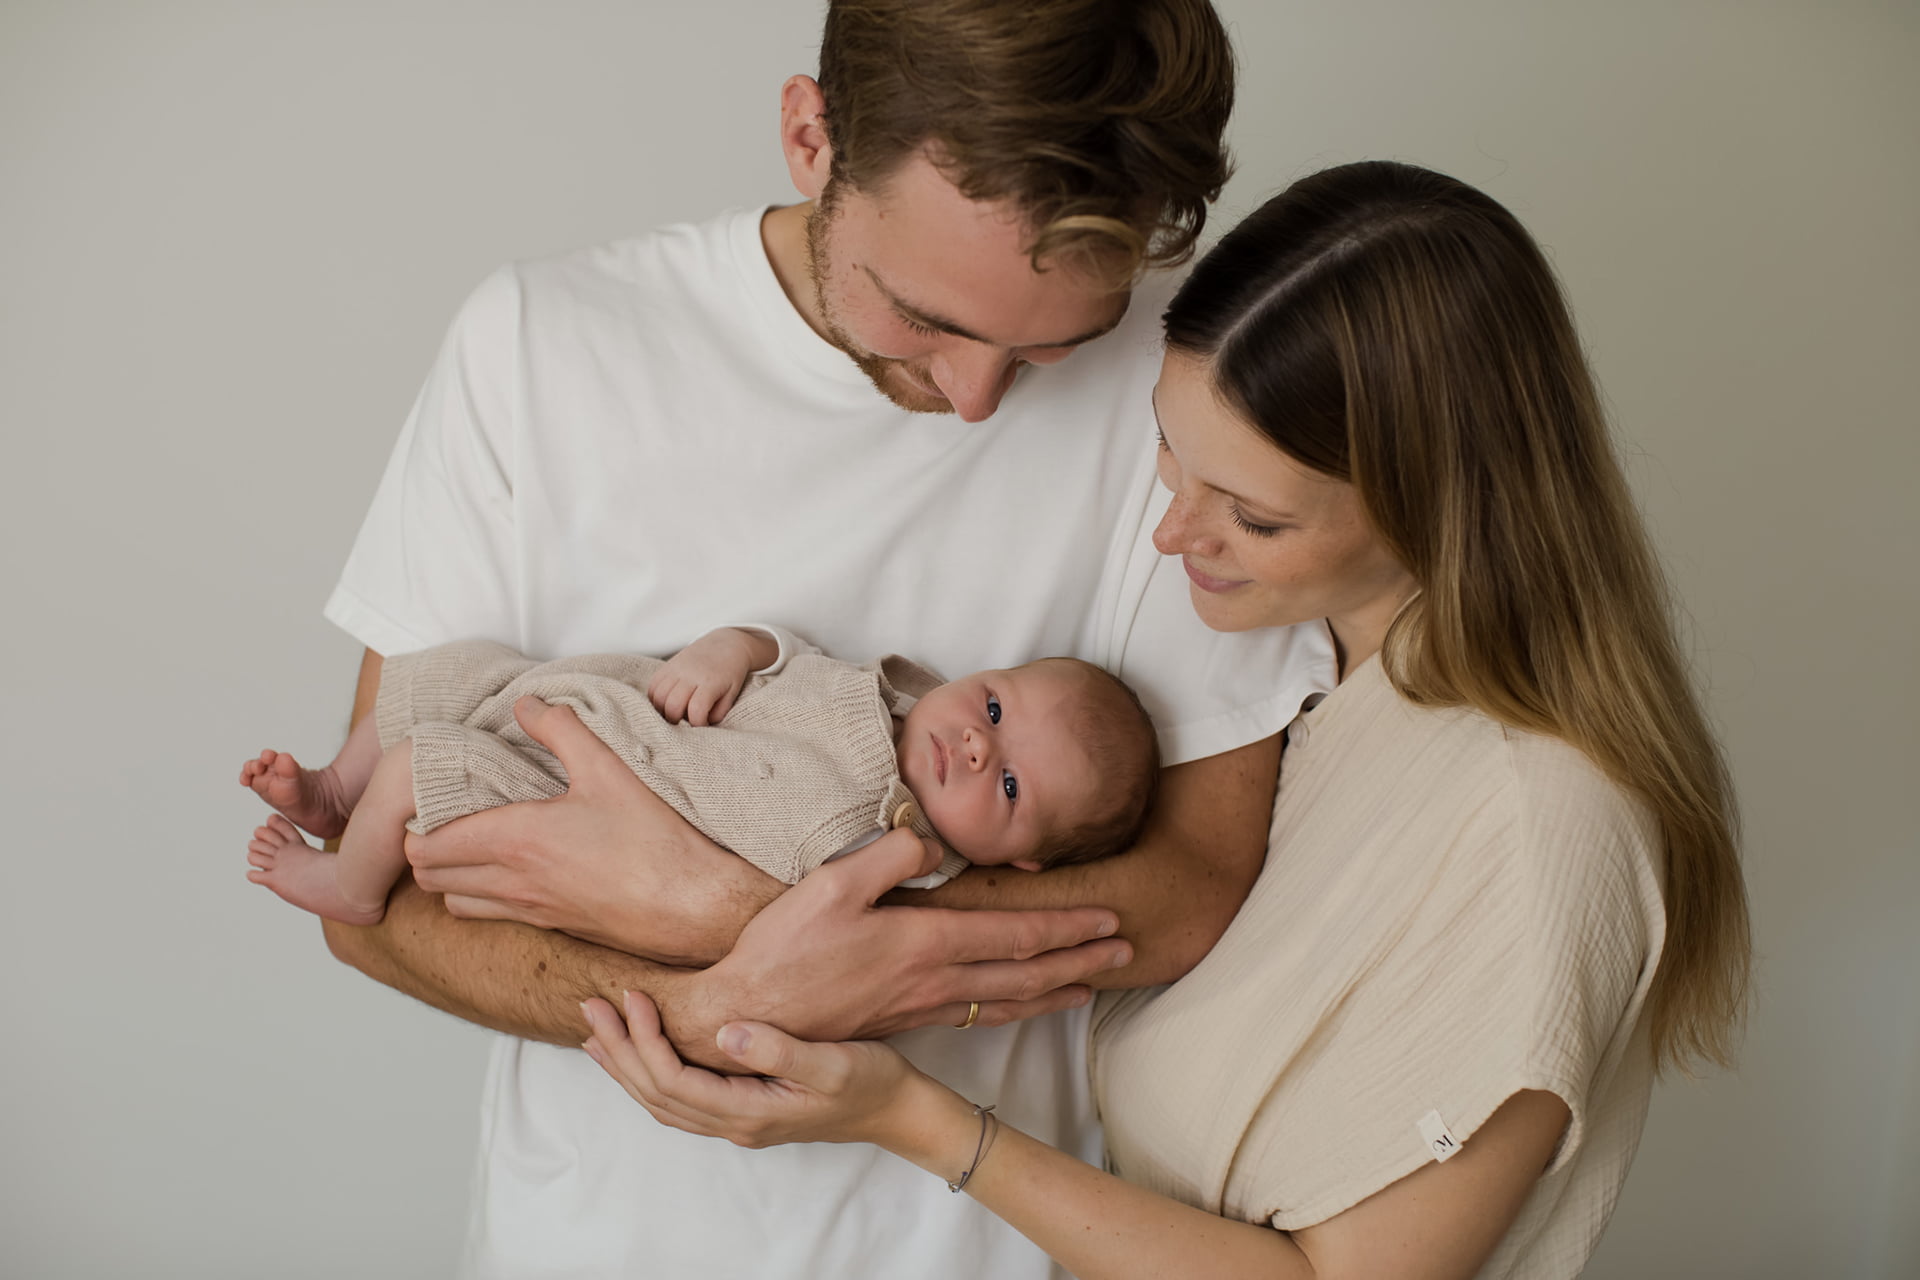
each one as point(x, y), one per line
point(803, 135)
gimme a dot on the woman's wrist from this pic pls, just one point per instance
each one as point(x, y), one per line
point(931, 1126)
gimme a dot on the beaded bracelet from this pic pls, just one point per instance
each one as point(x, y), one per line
point(987, 1119)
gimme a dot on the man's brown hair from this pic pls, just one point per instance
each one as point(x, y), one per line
point(1100, 119)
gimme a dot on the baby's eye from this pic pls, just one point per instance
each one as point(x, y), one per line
point(993, 709)
point(1010, 785)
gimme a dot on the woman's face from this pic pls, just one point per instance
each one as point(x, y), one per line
point(1265, 541)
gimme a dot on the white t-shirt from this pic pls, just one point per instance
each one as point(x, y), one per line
point(619, 448)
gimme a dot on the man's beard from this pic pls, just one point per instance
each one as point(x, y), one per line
point(899, 381)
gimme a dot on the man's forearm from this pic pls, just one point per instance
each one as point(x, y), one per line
point(510, 977)
point(1177, 890)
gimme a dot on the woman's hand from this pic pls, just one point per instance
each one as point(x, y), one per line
point(854, 1092)
point(609, 861)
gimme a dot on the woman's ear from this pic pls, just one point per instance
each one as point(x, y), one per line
point(803, 135)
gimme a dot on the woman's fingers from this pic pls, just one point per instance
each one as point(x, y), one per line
point(620, 1053)
point(604, 1056)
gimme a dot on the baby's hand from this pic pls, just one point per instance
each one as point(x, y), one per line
point(700, 683)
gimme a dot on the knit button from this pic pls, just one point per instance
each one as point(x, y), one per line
point(905, 814)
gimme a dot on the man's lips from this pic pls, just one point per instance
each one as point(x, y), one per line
point(1207, 582)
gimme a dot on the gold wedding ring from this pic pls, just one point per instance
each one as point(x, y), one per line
point(972, 1014)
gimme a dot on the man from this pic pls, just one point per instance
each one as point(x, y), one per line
point(622, 448)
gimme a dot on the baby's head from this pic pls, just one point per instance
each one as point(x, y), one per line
point(1036, 766)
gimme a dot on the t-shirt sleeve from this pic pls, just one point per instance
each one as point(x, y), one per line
point(1527, 970)
point(1207, 691)
point(434, 560)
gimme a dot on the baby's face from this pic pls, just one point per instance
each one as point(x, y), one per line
point(991, 759)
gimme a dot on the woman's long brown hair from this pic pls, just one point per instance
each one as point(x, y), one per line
point(1392, 327)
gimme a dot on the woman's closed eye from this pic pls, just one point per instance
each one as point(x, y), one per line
point(1257, 530)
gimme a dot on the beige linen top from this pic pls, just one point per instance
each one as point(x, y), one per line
point(1450, 912)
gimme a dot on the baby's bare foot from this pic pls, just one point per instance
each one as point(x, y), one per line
point(311, 797)
point(302, 874)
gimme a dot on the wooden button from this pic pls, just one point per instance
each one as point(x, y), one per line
point(905, 814)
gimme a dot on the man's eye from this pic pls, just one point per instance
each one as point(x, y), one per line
point(925, 330)
point(993, 709)
point(1010, 785)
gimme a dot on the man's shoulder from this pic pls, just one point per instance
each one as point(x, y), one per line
point(664, 255)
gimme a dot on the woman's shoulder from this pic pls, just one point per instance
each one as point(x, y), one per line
point(1561, 797)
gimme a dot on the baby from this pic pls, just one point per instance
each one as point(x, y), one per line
point(1041, 765)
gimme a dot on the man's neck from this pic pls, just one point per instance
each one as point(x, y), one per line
point(783, 233)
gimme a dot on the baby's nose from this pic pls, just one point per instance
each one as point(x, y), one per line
point(976, 748)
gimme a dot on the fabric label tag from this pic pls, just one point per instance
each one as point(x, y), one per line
point(1433, 1131)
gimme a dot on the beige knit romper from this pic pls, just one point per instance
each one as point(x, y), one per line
point(802, 766)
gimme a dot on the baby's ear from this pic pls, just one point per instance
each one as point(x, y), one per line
point(1026, 864)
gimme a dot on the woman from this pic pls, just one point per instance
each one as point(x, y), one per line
point(1502, 888)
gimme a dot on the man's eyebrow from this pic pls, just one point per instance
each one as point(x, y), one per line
point(1271, 513)
point(928, 319)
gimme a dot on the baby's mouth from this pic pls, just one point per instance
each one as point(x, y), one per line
point(939, 760)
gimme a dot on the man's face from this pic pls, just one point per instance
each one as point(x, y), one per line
point(934, 297)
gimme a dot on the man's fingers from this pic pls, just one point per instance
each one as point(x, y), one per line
point(466, 908)
point(559, 730)
point(1016, 935)
point(482, 839)
point(1023, 980)
point(995, 1013)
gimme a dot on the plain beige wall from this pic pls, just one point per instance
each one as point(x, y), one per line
point(231, 234)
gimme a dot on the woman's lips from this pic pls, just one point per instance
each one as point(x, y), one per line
point(1207, 582)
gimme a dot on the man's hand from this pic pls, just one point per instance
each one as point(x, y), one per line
point(824, 963)
point(699, 683)
point(609, 861)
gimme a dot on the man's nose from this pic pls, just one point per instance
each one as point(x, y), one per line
point(973, 378)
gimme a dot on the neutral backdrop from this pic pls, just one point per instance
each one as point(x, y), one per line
point(231, 235)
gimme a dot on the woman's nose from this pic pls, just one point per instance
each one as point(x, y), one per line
point(1174, 534)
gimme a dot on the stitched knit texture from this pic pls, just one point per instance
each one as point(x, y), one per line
point(802, 765)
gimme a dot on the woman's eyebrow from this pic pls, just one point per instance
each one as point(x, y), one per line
point(1265, 511)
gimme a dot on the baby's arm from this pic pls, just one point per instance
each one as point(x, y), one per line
point(699, 683)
